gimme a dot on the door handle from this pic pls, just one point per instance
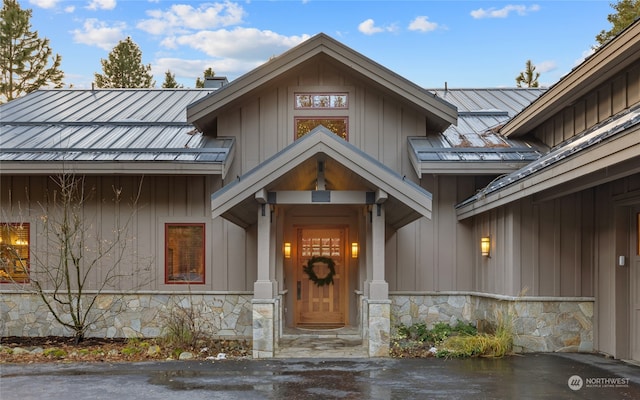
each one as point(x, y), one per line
point(299, 290)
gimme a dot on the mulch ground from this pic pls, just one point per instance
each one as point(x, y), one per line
point(64, 349)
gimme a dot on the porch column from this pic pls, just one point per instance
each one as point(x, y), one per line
point(378, 303)
point(264, 299)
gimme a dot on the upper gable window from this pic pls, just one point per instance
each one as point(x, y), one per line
point(329, 109)
point(322, 101)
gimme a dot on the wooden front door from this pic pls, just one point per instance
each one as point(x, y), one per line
point(319, 302)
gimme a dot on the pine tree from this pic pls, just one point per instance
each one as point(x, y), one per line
point(528, 78)
point(207, 73)
point(626, 12)
point(24, 57)
point(170, 81)
point(124, 68)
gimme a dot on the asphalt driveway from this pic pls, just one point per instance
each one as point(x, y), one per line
point(533, 376)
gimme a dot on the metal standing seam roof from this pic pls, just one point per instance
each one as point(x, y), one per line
point(475, 138)
point(593, 136)
point(108, 125)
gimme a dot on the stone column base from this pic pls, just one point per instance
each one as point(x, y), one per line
point(263, 328)
point(379, 327)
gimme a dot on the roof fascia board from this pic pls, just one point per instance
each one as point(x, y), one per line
point(321, 142)
point(301, 53)
point(470, 167)
point(120, 168)
point(587, 76)
point(619, 149)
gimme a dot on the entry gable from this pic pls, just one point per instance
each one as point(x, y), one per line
point(405, 201)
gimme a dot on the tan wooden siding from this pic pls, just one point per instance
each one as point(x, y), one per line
point(434, 254)
point(378, 123)
point(615, 95)
point(552, 247)
point(162, 199)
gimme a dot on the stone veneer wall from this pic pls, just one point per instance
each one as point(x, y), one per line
point(541, 324)
point(131, 315)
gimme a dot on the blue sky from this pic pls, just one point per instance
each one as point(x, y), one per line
point(464, 43)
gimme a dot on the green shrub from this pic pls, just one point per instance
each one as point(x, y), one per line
point(53, 352)
point(440, 331)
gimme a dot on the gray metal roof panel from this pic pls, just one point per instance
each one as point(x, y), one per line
point(511, 100)
point(475, 137)
point(102, 105)
point(114, 125)
point(597, 134)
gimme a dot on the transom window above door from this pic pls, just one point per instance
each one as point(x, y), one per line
point(329, 109)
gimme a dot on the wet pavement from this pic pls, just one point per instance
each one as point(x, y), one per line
point(532, 376)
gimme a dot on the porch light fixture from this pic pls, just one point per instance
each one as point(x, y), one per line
point(354, 250)
point(287, 250)
point(485, 246)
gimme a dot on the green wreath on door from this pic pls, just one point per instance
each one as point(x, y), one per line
point(327, 280)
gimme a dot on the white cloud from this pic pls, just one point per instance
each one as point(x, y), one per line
point(44, 3)
point(368, 27)
point(182, 18)
point(102, 5)
point(504, 11)
point(247, 44)
point(422, 24)
point(545, 66)
point(97, 33)
point(69, 9)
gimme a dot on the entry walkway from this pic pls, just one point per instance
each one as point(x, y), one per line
point(326, 343)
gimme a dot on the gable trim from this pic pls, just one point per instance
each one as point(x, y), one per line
point(321, 141)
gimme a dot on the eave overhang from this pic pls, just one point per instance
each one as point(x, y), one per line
point(607, 152)
point(405, 201)
point(608, 60)
point(441, 113)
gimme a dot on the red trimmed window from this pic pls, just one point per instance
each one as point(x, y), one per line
point(14, 252)
point(184, 253)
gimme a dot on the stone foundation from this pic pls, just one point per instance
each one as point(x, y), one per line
point(541, 324)
point(264, 328)
point(133, 315)
point(378, 327)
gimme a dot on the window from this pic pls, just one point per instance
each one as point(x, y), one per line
point(327, 109)
point(336, 125)
point(14, 252)
point(184, 253)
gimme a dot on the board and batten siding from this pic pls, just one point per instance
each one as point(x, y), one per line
point(436, 254)
point(163, 199)
point(263, 123)
point(613, 96)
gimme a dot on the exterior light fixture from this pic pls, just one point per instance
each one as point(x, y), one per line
point(485, 246)
point(287, 250)
point(354, 250)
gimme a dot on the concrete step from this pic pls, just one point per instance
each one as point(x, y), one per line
point(312, 346)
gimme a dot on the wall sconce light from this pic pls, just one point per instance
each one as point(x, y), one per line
point(354, 250)
point(287, 250)
point(485, 246)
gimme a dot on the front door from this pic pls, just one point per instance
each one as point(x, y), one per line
point(320, 277)
point(635, 285)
